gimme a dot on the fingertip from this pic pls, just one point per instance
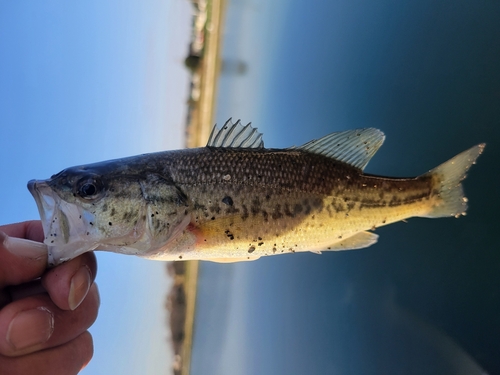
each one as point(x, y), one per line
point(30, 328)
point(68, 284)
point(24, 248)
point(36, 323)
point(20, 260)
point(79, 286)
point(87, 345)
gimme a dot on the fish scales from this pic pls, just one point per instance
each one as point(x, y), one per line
point(275, 210)
point(235, 200)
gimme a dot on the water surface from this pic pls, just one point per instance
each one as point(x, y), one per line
point(425, 299)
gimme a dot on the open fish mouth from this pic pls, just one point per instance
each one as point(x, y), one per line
point(66, 234)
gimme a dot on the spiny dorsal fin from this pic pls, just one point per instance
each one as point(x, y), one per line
point(235, 136)
point(355, 147)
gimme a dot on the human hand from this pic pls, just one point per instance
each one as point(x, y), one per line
point(44, 314)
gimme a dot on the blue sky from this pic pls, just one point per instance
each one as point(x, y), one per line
point(82, 82)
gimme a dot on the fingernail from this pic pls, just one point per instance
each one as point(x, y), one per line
point(22, 247)
point(30, 327)
point(80, 285)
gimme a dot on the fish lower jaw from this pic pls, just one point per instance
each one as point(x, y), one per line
point(61, 254)
point(53, 260)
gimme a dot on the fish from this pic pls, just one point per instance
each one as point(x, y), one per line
point(235, 200)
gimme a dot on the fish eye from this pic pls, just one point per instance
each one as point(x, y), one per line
point(89, 187)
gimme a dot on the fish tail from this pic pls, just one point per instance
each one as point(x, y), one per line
point(449, 176)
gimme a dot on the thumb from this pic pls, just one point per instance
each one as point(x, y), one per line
point(20, 260)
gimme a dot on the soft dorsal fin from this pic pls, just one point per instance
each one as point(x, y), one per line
point(235, 136)
point(355, 147)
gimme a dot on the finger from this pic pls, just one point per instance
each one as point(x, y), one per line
point(20, 260)
point(17, 292)
point(67, 359)
point(31, 230)
point(36, 323)
point(69, 283)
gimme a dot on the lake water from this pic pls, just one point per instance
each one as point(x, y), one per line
point(426, 298)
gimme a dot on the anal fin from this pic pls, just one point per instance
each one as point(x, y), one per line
point(358, 241)
point(232, 260)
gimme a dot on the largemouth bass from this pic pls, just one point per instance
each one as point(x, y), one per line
point(236, 200)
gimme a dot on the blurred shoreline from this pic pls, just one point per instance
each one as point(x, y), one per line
point(203, 61)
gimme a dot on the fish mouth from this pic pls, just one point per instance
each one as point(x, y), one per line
point(62, 224)
point(45, 202)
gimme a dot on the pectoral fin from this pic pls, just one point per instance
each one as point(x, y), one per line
point(358, 241)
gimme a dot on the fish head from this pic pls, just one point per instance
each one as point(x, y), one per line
point(113, 209)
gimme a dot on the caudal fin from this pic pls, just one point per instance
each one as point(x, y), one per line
point(450, 175)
